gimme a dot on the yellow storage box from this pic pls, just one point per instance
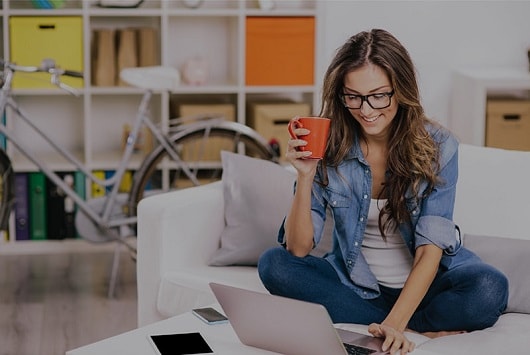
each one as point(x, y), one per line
point(34, 38)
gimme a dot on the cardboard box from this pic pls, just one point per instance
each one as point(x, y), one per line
point(211, 151)
point(33, 39)
point(280, 50)
point(508, 124)
point(270, 120)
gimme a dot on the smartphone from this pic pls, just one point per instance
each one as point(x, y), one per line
point(210, 315)
point(180, 344)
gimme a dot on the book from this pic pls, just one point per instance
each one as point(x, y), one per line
point(97, 189)
point(21, 206)
point(80, 184)
point(37, 206)
point(61, 209)
point(126, 181)
point(3, 138)
point(108, 175)
point(80, 188)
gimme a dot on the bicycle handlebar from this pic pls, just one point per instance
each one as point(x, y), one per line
point(73, 73)
point(47, 66)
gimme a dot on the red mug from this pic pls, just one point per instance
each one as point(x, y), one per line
point(317, 137)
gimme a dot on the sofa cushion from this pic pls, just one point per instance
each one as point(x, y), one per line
point(187, 288)
point(510, 256)
point(508, 336)
point(257, 196)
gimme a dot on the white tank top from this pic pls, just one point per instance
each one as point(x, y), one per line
point(389, 260)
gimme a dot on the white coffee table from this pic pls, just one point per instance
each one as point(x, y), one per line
point(220, 337)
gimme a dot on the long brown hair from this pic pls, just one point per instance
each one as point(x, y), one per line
point(413, 154)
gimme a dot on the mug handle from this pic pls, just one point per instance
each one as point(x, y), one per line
point(292, 125)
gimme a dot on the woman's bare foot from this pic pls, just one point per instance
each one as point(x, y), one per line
point(442, 333)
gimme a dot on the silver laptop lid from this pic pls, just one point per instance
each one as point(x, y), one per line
point(279, 324)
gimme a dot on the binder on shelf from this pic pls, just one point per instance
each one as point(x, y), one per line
point(126, 181)
point(80, 184)
point(108, 175)
point(3, 142)
point(97, 189)
point(37, 206)
point(80, 188)
point(60, 218)
point(21, 206)
point(69, 208)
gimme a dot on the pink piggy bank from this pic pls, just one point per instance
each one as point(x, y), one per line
point(195, 71)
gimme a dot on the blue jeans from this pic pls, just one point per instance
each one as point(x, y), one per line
point(469, 297)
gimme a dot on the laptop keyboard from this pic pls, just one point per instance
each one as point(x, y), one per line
point(357, 350)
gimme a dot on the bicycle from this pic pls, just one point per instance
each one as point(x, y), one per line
point(184, 151)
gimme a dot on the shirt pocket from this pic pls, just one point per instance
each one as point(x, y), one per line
point(338, 199)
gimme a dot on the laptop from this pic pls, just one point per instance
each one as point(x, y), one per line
point(288, 326)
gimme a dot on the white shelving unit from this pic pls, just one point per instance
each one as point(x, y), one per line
point(471, 89)
point(92, 125)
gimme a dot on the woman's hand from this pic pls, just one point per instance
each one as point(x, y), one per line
point(394, 339)
point(305, 167)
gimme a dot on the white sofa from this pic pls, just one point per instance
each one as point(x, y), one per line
point(178, 232)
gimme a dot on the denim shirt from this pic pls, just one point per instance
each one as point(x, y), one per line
point(348, 194)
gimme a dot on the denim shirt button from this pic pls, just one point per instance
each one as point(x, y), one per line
point(415, 211)
point(361, 219)
point(365, 196)
point(334, 203)
point(356, 243)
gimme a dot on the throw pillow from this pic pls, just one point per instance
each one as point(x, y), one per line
point(257, 196)
point(510, 256)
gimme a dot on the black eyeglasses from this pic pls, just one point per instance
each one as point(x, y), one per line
point(376, 101)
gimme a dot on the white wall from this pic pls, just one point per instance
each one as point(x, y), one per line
point(440, 36)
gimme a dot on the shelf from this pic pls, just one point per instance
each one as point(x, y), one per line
point(91, 125)
point(23, 164)
point(471, 88)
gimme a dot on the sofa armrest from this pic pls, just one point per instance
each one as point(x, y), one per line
point(178, 228)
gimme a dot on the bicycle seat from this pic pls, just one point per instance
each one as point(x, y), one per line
point(152, 78)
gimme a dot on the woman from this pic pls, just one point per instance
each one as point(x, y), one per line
point(389, 177)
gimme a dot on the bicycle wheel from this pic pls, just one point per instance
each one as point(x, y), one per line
point(199, 148)
point(7, 190)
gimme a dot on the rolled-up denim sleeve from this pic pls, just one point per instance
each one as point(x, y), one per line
point(318, 216)
point(435, 224)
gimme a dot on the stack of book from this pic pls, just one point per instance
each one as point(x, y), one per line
point(42, 210)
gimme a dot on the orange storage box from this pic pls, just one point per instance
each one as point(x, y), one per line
point(34, 38)
point(280, 50)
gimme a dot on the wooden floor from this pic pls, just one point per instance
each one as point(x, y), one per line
point(57, 302)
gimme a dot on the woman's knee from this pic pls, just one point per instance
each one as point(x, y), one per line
point(269, 262)
point(488, 296)
point(495, 285)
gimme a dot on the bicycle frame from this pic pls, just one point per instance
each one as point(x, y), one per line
point(103, 219)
